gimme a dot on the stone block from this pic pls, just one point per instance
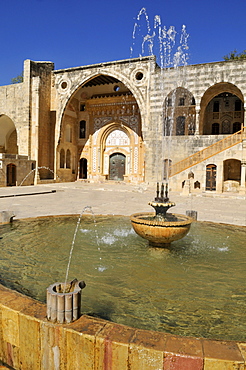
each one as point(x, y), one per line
point(220, 355)
point(80, 339)
point(112, 347)
point(183, 353)
point(6, 216)
point(9, 337)
point(146, 350)
point(29, 342)
point(53, 350)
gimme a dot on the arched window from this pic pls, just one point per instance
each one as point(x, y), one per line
point(215, 128)
point(180, 126)
point(62, 158)
point(82, 129)
point(68, 159)
point(68, 134)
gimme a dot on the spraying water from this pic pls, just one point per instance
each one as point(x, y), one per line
point(171, 51)
point(100, 268)
point(38, 168)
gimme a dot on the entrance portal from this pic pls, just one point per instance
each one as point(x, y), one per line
point(117, 163)
point(11, 175)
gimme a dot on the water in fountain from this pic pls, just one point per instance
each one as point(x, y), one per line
point(143, 287)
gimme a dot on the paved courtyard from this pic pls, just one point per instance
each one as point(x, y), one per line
point(117, 199)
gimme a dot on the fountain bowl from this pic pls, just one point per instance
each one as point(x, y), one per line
point(160, 233)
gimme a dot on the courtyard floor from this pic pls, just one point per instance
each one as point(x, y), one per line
point(116, 199)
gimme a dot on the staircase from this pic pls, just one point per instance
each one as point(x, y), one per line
point(208, 152)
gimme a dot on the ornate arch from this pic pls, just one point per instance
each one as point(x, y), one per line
point(73, 87)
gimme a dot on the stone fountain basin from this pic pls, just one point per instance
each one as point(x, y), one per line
point(160, 233)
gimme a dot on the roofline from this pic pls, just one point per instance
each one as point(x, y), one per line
point(105, 64)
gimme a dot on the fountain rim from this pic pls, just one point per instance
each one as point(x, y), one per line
point(185, 220)
point(212, 340)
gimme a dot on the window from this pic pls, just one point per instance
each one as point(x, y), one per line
point(68, 134)
point(68, 159)
point(62, 158)
point(193, 102)
point(180, 126)
point(82, 107)
point(238, 105)
point(168, 126)
point(215, 128)
point(216, 107)
point(236, 127)
point(82, 129)
point(181, 101)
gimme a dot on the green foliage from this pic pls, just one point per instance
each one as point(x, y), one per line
point(17, 79)
point(234, 55)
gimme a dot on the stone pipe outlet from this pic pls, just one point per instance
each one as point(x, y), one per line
point(64, 301)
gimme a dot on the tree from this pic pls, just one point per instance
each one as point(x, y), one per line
point(17, 79)
point(234, 55)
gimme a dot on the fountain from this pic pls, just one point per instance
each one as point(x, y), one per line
point(141, 287)
point(161, 228)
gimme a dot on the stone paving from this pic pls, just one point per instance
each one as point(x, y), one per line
point(117, 199)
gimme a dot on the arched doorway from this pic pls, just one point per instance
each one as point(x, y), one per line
point(117, 163)
point(211, 177)
point(232, 170)
point(83, 168)
point(11, 174)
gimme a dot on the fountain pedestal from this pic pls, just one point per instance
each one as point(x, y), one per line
point(64, 302)
point(161, 228)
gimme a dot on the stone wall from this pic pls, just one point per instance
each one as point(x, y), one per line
point(28, 341)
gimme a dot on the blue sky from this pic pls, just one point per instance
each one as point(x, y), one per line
point(78, 32)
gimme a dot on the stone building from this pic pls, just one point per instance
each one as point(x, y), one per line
point(127, 121)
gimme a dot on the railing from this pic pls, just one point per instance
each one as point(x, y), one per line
point(208, 152)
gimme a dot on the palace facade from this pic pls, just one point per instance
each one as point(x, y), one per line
point(127, 121)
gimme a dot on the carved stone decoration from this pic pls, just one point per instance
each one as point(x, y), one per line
point(101, 121)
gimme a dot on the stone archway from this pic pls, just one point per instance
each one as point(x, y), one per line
point(222, 104)
point(179, 113)
point(98, 107)
point(232, 174)
point(8, 136)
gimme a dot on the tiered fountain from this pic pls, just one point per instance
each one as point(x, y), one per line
point(161, 228)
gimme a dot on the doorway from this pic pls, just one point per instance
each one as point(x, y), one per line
point(211, 177)
point(11, 174)
point(117, 163)
point(83, 168)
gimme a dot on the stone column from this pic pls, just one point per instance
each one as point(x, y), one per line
point(243, 168)
point(35, 124)
point(197, 120)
